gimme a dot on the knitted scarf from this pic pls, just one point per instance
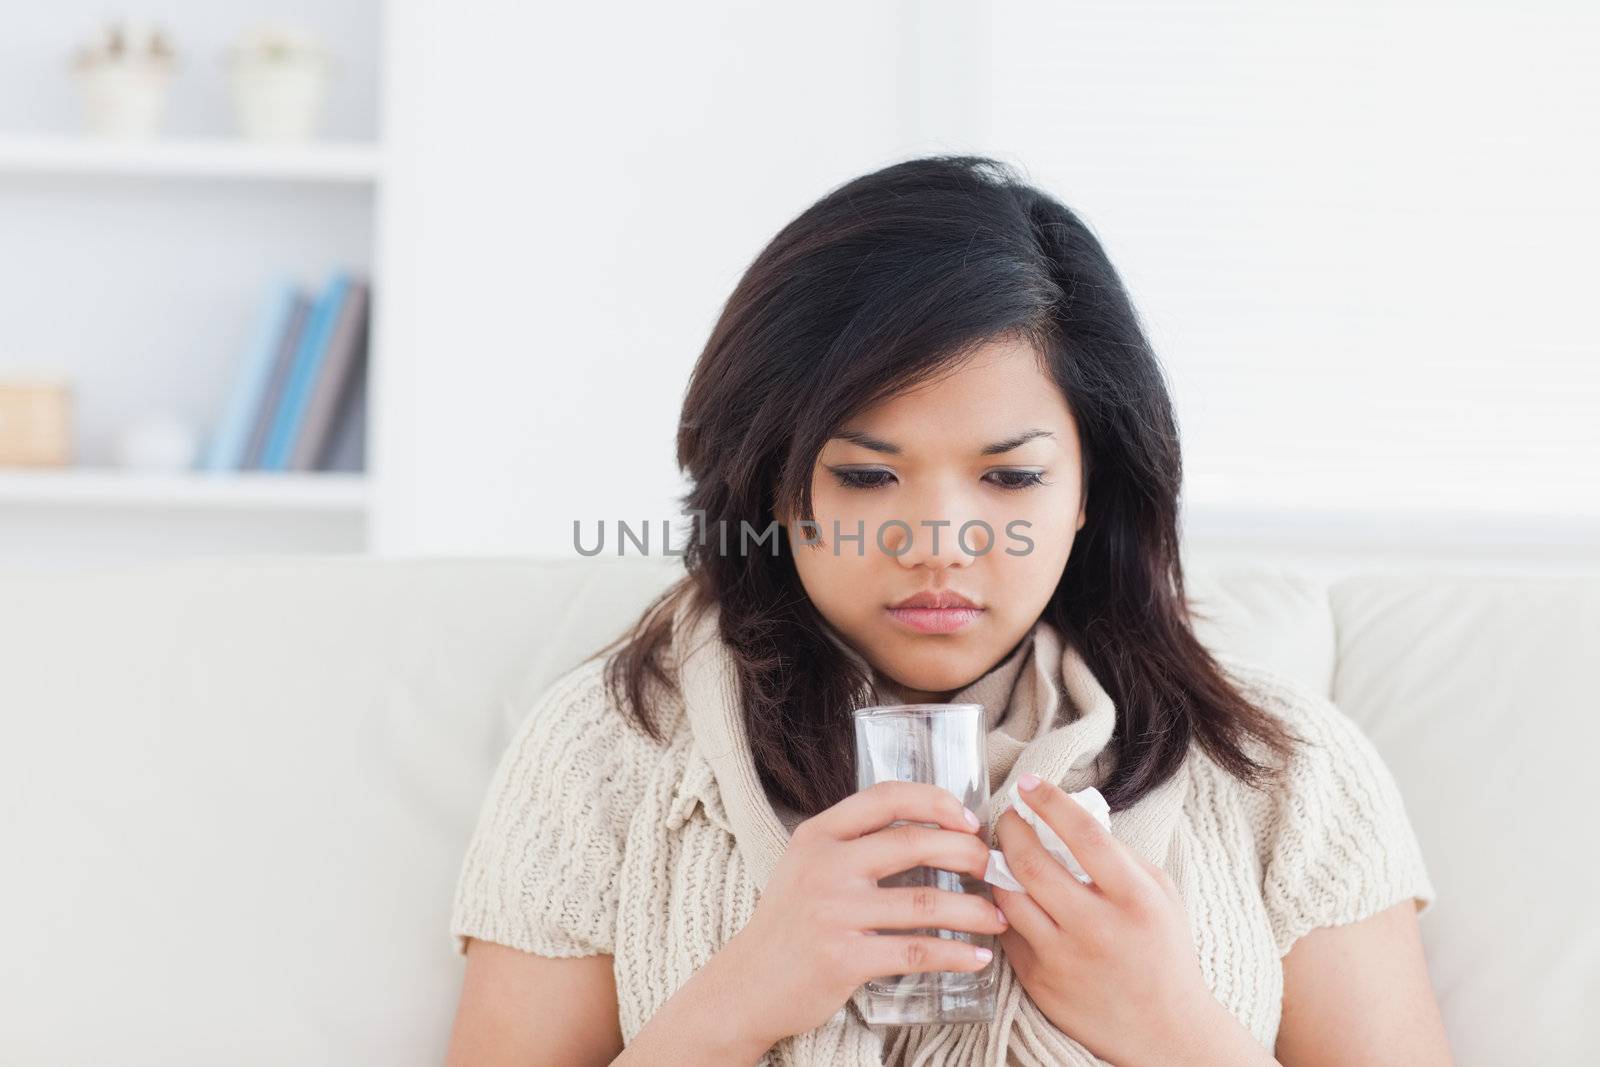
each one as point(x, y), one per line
point(1057, 725)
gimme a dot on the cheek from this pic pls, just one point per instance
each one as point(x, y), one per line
point(833, 502)
point(834, 581)
point(1027, 563)
point(855, 512)
point(1047, 516)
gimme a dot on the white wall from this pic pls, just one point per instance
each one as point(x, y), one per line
point(588, 187)
point(1361, 235)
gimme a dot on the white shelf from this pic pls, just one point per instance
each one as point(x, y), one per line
point(326, 162)
point(237, 491)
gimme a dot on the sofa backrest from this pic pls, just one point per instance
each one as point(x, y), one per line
point(1480, 694)
point(236, 793)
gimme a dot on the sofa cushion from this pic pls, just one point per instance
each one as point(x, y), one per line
point(1479, 693)
point(236, 795)
point(1267, 615)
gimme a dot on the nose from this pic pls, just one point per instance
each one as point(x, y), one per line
point(935, 538)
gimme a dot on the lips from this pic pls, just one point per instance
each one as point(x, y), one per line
point(935, 598)
point(935, 612)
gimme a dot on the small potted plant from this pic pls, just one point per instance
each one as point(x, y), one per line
point(279, 78)
point(125, 72)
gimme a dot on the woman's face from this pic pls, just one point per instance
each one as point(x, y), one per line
point(990, 443)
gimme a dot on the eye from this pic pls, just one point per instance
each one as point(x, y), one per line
point(863, 479)
point(877, 478)
point(1018, 479)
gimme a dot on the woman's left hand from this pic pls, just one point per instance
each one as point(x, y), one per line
point(1111, 964)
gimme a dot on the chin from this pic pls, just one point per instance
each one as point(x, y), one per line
point(932, 670)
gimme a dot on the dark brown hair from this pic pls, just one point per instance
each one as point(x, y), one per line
point(882, 284)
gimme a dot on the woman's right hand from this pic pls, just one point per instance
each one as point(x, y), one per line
point(813, 937)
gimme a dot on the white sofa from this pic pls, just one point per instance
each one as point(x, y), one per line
point(236, 793)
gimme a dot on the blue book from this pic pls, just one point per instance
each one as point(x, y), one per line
point(231, 435)
point(288, 344)
point(313, 349)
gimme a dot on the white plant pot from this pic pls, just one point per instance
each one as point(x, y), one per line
point(124, 100)
point(277, 100)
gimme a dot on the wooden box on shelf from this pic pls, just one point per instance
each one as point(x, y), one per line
point(35, 422)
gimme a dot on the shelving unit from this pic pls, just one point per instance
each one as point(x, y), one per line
point(327, 493)
point(133, 269)
point(191, 158)
point(203, 511)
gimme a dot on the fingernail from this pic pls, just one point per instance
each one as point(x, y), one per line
point(1027, 781)
point(1001, 916)
point(984, 955)
point(972, 820)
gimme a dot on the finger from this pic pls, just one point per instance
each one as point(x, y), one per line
point(879, 805)
point(1106, 860)
point(1025, 916)
point(1019, 951)
point(1161, 878)
point(900, 848)
point(1050, 884)
point(928, 908)
point(882, 955)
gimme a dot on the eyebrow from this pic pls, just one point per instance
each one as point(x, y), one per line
point(877, 444)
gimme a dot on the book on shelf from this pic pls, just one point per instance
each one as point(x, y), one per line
point(266, 403)
point(347, 451)
point(347, 344)
point(299, 397)
point(230, 438)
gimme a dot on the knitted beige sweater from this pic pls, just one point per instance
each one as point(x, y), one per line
point(595, 839)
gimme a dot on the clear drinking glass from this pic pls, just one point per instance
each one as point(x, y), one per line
point(945, 744)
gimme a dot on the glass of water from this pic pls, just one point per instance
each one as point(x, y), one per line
point(945, 745)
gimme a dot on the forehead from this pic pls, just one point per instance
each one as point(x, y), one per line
point(1000, 388)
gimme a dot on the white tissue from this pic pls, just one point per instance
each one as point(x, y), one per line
point(1089, 799)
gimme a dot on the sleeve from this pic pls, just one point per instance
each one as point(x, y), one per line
point(542, 866)
point(1336, 842)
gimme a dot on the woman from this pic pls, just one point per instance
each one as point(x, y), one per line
point(931, 388)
